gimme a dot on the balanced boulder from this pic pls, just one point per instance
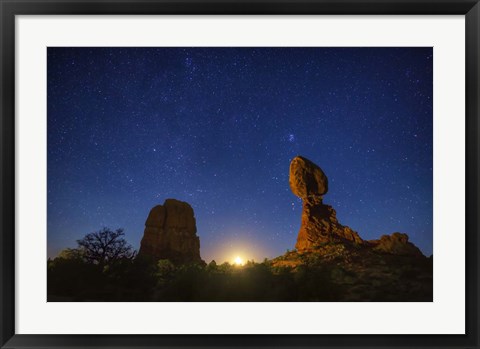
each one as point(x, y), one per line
point(307, 180)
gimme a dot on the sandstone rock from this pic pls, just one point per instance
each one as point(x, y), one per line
point(156, 217)
point(307, 180)
point(397, 244)
point(319, 221)
point(170, 233)
point(320, 225)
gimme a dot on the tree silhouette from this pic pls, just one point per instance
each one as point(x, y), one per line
point(105, 247)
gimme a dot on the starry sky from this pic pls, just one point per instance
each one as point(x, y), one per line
point(218, 127)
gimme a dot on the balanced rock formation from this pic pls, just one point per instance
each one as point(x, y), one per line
point(170, 233)
point(319, 221)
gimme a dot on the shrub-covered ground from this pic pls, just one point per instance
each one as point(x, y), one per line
point(335, 272)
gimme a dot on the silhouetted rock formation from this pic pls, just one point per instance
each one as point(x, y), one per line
point(319, 221)
point(170, 233)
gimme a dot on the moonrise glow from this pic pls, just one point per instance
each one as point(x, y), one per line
point(218, 127)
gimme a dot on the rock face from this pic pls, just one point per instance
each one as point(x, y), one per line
point(307, 180)
point(319, 221)
point(170, 233)
point(397, 244)
point(320, 225)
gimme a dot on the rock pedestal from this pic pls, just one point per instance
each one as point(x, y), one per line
point(320, 225)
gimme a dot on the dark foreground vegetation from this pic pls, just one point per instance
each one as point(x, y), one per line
point(105, 268)
point(140, 280)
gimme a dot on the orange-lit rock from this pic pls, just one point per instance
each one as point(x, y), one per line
point(320, 225)
point(170, 233)
point(319, 221)
point(307, 180)
point(397, 243)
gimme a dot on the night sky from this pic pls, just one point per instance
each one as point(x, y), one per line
point(218, 127)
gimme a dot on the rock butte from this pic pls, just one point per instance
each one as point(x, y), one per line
point(170, 233)
point(319, 222)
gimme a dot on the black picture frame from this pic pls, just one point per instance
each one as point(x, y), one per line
point(10, 8)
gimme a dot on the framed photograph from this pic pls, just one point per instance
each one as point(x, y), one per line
point(227, 173)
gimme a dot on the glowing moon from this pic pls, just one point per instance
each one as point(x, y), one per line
point(238, 261)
